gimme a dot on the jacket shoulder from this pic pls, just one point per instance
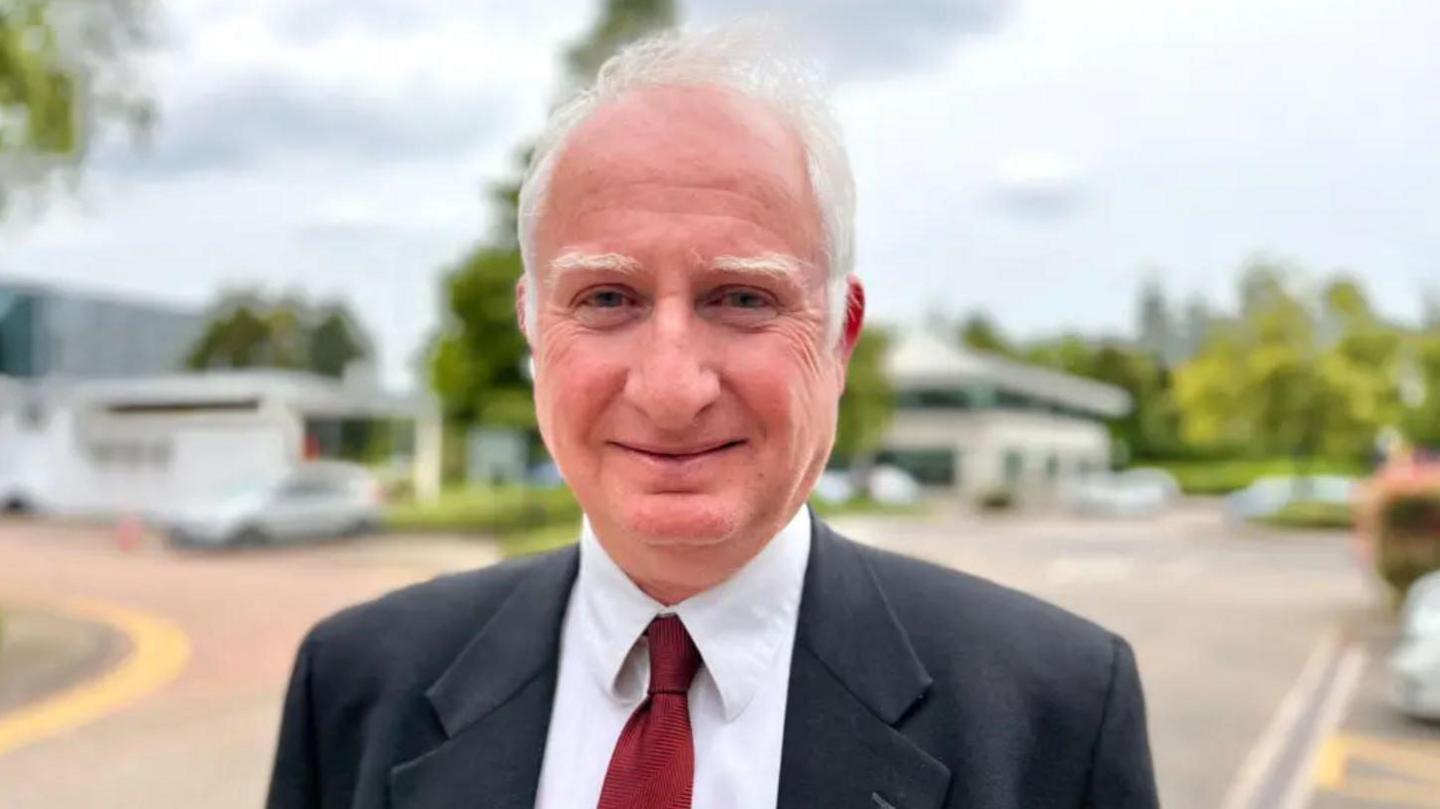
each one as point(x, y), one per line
point(413, 632)
point(952, 615)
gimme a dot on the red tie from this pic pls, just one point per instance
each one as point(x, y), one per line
point(653, 766)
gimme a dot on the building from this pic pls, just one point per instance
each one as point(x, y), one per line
point(145, 444)
point(47, 332)
point(973, 422)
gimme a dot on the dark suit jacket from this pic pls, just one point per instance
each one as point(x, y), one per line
point(911, 686)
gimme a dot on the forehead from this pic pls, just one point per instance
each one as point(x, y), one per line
point(684, 150)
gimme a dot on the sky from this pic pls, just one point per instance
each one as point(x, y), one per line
point(1037, 160)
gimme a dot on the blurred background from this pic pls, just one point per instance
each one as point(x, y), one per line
point(1155, 301)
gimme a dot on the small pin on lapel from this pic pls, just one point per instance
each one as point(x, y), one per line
point(881, 802)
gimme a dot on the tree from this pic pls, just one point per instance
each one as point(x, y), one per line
point(334, 343)
point(238, 339)
point(1301, 375)
point(477, 362)
point(980, 333)
point(66, 69)
point(246, 331)
point(1420, 420)
point(868, 402)
point(1157, 334)
point(1151, 428)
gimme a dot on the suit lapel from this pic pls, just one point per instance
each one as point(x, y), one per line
point(853, 677)
point(494, 702)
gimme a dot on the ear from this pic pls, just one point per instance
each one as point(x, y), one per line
point(854, 318)
point(521, 316)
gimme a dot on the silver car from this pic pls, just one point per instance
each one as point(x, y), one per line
point(1415, 662)
point(315, 499)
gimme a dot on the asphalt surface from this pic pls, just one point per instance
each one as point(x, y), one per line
point(1224, 623)
point(42, 653)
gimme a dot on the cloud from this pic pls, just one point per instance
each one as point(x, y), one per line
point(1038, 186)
point(248, 121)
point(859, 39)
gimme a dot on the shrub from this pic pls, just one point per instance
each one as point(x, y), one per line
point(1222, 476)
point(1409, 538)
point(487, 509)
point(1309, 514)
point(997, 500)
point(1400, 524)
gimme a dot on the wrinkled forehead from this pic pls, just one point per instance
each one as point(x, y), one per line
point(681, 148)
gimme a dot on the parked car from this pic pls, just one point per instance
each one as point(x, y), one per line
point(893, 486)
point(1267, 496)
point(834, 486)
point(1415, 662)
point(315, 499)
point(1132, 493)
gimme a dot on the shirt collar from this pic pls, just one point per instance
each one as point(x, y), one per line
point(739, 625)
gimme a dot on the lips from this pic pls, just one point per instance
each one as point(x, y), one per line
point(685, 453)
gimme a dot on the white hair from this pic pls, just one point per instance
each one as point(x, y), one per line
point(751, 60)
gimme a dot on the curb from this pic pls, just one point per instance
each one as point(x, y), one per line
point(158, 653)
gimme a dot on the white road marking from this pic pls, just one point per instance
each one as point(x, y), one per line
point(1268, 748)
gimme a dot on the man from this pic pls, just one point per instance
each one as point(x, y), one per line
point(686, 228)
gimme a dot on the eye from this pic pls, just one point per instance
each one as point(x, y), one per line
point(745, 298)
point(605, 299)
point(607, 307)
point(741, 306)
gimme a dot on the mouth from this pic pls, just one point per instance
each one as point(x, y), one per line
point(679, 454)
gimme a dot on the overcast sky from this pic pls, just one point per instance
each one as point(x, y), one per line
point(1036, 159)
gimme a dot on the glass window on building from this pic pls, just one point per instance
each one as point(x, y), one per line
point(1012, 467)
point(929, 467)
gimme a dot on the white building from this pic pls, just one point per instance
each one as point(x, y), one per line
point(135, 445)
point(975, 422)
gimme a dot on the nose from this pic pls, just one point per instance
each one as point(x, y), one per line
point(671, 380)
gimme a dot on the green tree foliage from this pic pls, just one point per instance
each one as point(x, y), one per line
point(868, 402)
point(477, 367)
point(476, 363)
point(1296, 374)
point(247, 331)
point(66, 68)
point(982, 334)
point(1421, 419)
point(1150, 429)
point(333, 343)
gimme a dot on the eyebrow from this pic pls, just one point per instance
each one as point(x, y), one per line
point(576, 261)
point(776, 265)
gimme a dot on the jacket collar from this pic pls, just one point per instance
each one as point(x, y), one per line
point(854, 678)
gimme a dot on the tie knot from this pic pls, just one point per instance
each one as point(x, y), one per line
point(673, 656)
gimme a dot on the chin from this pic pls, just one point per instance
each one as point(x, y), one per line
point(683, 520)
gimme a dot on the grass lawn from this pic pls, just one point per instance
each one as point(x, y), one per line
point(1311, 515)
point(1225, 476)
point(497, 510)
point(529, 520)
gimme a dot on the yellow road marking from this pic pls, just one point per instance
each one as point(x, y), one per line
point(1330, 764)
point(1412, 768)
point(158, 653)
point(1401, 793)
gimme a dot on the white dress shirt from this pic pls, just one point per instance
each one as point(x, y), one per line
point(745, 631)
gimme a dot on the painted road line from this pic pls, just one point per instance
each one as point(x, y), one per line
point(158, 653)
point(1410, 770)
point(1266, 753)
point(1389, 792)
point(1332, 712)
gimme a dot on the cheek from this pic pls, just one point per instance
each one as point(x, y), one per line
point(789, 387)
point(575, 380)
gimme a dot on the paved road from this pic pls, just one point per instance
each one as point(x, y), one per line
point(206, 740)
point(1223, 623)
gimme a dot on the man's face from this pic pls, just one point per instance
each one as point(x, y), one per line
point(684, 383)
